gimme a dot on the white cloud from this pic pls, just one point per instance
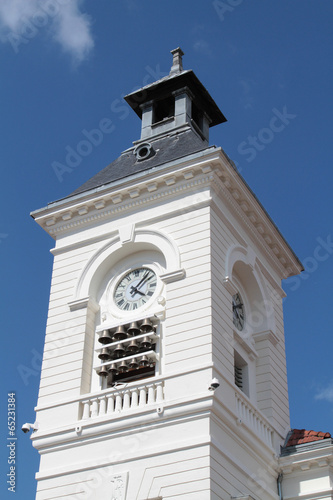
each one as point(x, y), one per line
point(326, 394)
point(72, 31)
point(21, 20)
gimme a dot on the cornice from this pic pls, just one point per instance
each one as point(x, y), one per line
point(113, 204)
point(263, 230)
point(209, 168)
point(315, 455)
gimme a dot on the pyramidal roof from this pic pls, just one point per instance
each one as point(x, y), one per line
point(176, 113)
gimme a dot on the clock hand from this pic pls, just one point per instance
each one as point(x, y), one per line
point(235, 306)
point(142, 280)
point(145, 281)
point(134, 291)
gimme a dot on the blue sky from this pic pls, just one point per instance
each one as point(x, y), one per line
point(66, 65)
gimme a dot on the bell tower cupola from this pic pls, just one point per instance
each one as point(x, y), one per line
point(176, 103)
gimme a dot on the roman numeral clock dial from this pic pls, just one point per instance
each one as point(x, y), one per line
point(135, 289)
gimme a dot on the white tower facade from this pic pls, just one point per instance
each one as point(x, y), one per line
point(164, 372)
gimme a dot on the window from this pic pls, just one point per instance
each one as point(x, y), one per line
point(241, 373)
point(128, 352)
point(164, 109)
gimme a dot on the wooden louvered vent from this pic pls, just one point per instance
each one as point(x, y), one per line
point(239, 377)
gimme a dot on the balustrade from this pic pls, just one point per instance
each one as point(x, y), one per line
point(118, 400)
point(248, 415)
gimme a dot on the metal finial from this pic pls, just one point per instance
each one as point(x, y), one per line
point(177, 62)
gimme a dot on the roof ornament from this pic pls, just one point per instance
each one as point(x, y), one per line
point(177, 62)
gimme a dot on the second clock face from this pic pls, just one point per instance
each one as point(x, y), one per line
point(135, 289)
point(238, 311)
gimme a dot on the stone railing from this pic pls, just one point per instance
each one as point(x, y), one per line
point(249, 416)
point(116, 401)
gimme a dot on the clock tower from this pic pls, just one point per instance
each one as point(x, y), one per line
point(164, 372)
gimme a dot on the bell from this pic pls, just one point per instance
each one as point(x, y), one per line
point(103, 372)
point(119, 351)
point(133, 347)
point(104, 354)
point(114, 369)
point(146, 343)
point(105, 338)
point(146, 326)
point(144, 361)
point(133, 329)
point(120, 333)
point(133, 363)
point(123, 368)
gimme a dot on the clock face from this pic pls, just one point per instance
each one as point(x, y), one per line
point(238, 311)
point(135, 289)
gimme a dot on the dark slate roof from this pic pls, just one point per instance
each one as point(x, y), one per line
point(167, 148)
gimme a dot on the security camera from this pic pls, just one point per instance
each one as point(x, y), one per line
point(27, 427)
point(214, 384)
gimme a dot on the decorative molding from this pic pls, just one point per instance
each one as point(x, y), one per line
point(119, 486)
point(99, 204)
point(134, 193)
point(170, 180)
point(152, 187)
point(250, 219)
point(130, 204)
point(179, 176)
point(148, 237)
point(173, 276)
point(83, 210)
point(84, 303)
point(267, 335)
point(127, 233)
point(229, 285)
point(67, 215)
point(247, 343)
point(50, 222)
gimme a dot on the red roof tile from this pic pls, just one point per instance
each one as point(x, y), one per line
point(300, 436)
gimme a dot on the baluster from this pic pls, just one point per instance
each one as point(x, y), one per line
point(110, 399)
point(102, 405)
point(249, 417)
point(242, 410)
point(143, 396)
point(126, 404)
point(256, 423)
point(135, 398)
point(151, 394)
point(86, 410)
point(119, 402)
point(159, 392)
point(94, 409)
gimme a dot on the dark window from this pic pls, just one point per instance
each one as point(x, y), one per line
point(197, 116)
point(164, 109)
